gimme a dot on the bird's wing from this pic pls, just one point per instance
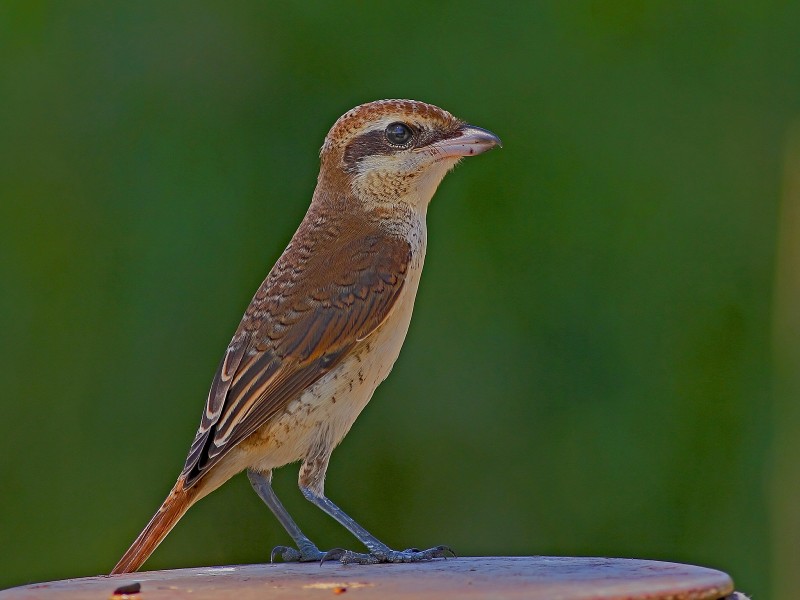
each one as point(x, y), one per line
point(309, 312)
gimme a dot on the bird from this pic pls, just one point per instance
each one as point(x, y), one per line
point(326, 326)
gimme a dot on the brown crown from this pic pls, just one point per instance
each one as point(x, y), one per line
point(354, 120)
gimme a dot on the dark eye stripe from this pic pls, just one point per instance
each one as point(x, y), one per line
point(370, 143)
point(374, 143)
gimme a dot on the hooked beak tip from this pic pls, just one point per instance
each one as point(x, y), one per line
point(468, 140)
point(482, 136)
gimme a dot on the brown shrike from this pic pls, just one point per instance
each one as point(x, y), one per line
point(327, 324)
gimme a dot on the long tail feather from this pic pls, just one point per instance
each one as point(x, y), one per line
point(173, 508)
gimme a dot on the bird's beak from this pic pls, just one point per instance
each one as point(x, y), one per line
point(467, 140)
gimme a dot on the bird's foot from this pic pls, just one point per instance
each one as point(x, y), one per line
point(305, 553)
point(347, 557)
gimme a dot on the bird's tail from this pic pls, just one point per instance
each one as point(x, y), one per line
point(177, 503)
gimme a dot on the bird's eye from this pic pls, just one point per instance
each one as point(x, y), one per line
point(398, 134)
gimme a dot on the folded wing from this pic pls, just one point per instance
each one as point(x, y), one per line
point(305, 318)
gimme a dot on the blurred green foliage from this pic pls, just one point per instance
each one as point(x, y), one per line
point(588, 370)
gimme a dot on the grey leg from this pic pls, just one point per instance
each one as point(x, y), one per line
point(372, 543)
point(306, 550)
point(312, 481)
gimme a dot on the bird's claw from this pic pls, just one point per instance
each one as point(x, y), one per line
point(289, 554)
point(348, 557)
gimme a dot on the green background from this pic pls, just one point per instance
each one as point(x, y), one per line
point(601, 359)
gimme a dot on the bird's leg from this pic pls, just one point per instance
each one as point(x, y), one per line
point(306, 551)
point(312, 481)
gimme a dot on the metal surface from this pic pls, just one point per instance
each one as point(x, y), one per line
point(536, 578)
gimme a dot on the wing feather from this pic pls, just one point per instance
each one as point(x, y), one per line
point(309, 312)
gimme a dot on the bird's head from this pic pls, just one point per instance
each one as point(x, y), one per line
point(392, 151)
